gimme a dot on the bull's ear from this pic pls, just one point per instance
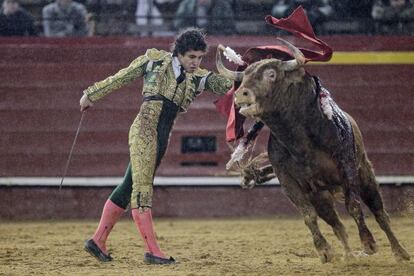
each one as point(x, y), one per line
point(270, 74)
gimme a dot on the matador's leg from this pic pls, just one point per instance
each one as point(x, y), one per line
point(148, 139)
point(112, 211)
point(121, 195)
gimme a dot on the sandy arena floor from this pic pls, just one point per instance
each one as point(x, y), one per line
point(245, 246)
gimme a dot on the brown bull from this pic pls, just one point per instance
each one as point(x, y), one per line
point(314, 147)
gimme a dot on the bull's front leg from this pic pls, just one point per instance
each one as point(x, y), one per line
point(325, 207)
point(305, 207)
point(252, 176)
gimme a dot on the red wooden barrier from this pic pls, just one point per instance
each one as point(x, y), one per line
point(41, 81)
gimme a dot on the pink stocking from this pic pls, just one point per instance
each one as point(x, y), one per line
point(110, 215)
point(143, 221)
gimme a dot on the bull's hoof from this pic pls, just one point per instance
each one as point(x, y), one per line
point(368, 242)
point(370, 247)
point(326, 255)
point(401, 254)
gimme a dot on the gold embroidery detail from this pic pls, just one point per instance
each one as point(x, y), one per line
point(143, 152)
point(200, 72)
point(124, 76)
point(155, 54)
point(218, 84)
point(160, 80)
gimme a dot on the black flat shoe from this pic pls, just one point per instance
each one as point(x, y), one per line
point(152, 259)
point(95, 251)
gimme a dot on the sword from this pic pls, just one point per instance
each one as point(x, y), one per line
point(71, 150)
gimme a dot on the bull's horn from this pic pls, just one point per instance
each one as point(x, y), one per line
point(297, 54)
point(233, 75)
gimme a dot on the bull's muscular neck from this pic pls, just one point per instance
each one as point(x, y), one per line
point(294, 113)
point(292, 103)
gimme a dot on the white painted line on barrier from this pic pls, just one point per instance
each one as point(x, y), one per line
point(159, 181)
point(113, 181)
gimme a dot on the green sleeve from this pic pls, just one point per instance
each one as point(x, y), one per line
point(100, 89)
point(218, 84)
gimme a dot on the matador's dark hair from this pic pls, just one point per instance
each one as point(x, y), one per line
point(189, 39)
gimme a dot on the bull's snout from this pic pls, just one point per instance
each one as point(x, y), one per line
point(246, 100)
point(243, 96)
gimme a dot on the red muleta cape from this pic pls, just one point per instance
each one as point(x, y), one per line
point(298, 24)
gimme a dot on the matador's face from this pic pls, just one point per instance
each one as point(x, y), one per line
point(191, 60)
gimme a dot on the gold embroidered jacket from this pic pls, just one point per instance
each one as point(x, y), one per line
point(156, 68)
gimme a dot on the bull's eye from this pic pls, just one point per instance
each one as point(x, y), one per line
point(270, 74)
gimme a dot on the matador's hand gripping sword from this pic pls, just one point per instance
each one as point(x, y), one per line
point(71, 150)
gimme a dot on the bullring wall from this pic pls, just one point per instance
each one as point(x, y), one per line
point(41, 81)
